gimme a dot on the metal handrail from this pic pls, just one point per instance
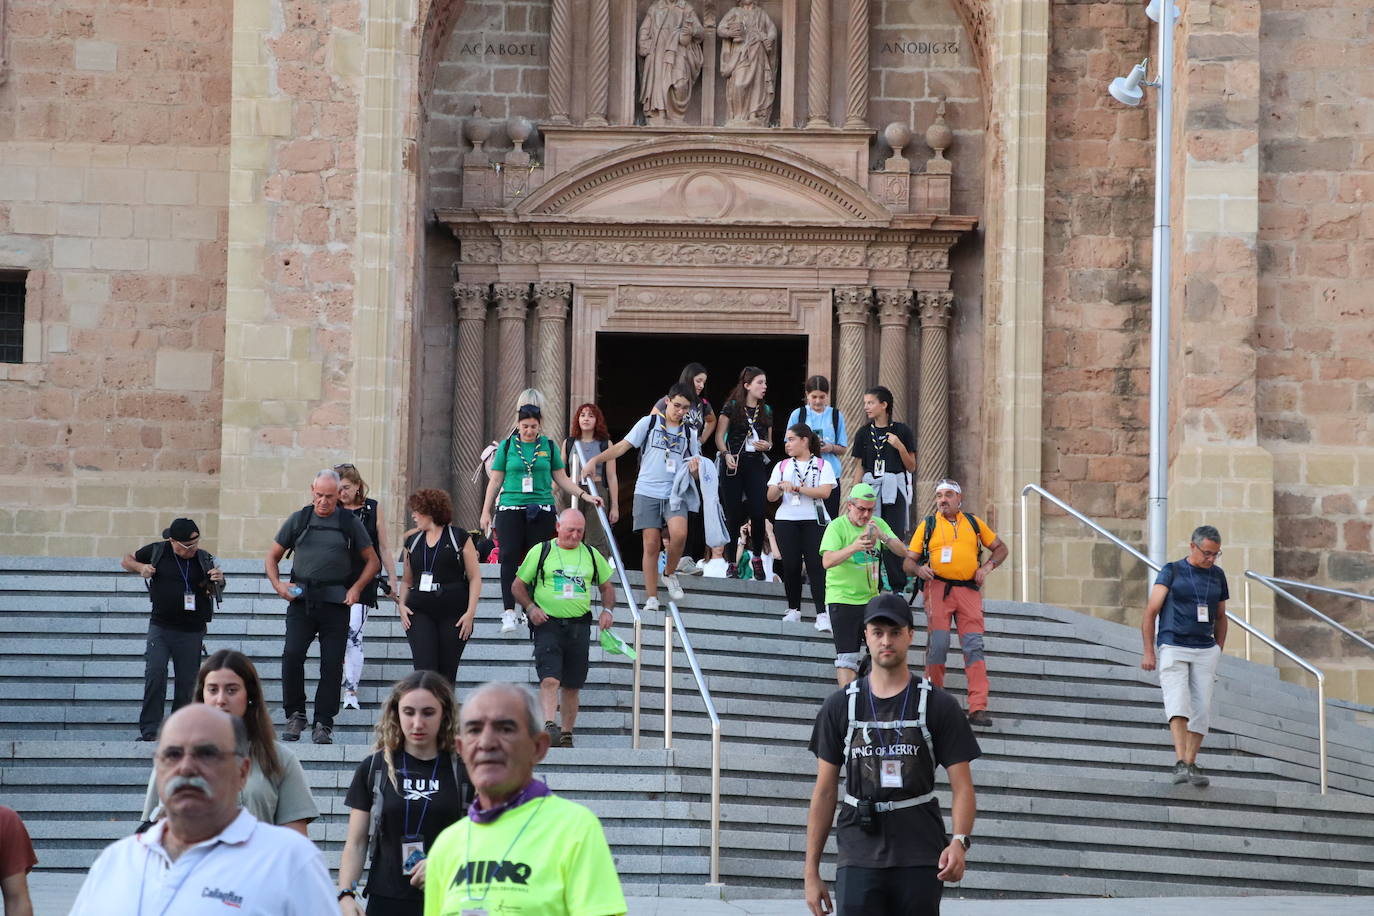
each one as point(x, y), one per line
point(1273, 582)
point(629, 599)
point(1244, 624)
point(715, 726)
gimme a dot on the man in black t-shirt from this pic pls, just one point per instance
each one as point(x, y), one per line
point(182, 584)
point(888, 731)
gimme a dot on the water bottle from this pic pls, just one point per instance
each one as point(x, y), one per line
point(295, 591)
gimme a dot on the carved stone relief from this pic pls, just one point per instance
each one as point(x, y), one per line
point(670, 46)
point(749, 40)
point(708, 300)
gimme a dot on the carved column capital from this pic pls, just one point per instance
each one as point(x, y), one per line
point(853, 303)
point(552, 299)
point(470, 300)
point(935, 307)
point(894, 306)
point(512, 299)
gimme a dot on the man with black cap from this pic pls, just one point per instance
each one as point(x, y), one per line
point(183, 584)
point(888, 731)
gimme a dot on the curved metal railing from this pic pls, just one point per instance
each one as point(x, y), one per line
point(1245, 625)
point(1274, 583)
point(629, 599)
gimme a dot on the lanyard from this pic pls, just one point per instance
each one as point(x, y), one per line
point(954, 525)
point(873, 708)
point(425, 810)
point(753, 414)
point(492, 877)
point(1206, 597)
point(143, 884)
point(672, 440)
point(879, 440)
point(427, 562)
point(801, 476)
point(185, 572)
point(534, 456)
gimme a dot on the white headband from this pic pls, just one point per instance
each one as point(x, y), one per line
point(948, 485)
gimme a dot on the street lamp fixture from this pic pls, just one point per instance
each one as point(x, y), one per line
point(1126, 89)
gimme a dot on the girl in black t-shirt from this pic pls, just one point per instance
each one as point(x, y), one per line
point(744, 437)
point(886, 451)
point(353, 497)
point(402, 797)
point(437, 601)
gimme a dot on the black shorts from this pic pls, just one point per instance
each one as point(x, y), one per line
point(561, 649)
point(847, 627)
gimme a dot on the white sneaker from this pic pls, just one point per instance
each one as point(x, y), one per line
point(350, 700)
point(509, 621)
point(674, 587)
point(792, 616)
point(823, 622)
point(650, 604)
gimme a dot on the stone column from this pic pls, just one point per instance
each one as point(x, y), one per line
point(511, 310)
point(852, 305)
point(598, 63)
point(465, 438)
point(932, 433)
point(560, 60)
point(894, 314)
point(856, 49)
point(818, 66)
point(551, 364)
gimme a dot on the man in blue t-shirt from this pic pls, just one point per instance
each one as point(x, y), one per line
point(1189, 602)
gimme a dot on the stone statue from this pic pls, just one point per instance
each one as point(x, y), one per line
point(670, 44)
point(748, 38)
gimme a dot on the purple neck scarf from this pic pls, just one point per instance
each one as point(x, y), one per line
point(532, 790)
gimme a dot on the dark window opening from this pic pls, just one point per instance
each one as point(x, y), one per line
point(11, 317)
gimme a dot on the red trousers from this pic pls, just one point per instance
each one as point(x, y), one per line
point(962, 609)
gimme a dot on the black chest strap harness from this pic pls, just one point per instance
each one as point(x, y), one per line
point(855, 724)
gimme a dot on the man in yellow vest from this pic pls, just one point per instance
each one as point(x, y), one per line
point(948, 547)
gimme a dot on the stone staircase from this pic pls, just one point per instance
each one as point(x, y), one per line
point(1073, 794)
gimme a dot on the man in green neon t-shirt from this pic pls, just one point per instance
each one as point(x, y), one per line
point(521, 851)
point(561, 574)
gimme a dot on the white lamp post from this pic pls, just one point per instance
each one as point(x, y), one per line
point(1127, 91)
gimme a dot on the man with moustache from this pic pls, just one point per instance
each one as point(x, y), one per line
point(207, 853)
point(521, 849)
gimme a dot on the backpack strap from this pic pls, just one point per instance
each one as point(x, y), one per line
point(374, 816)
point(835, 424)
point(299, 525)
point(453, 539)
point(925, 541)
point(544, 550)
point(977, 536)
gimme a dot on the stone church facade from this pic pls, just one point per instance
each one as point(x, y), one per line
point(244, 239)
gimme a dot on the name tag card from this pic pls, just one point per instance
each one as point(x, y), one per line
point(426, 582)
point(795, 499)
point(569, 591)
point(879, 468)
point(670, 464)
point(188, 601)
point(891, 774)
point(412, 854)
point(527, 485)
point(946, 554)
point(1203, 613)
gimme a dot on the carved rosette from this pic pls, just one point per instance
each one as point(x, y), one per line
point(465, 435)
point(551, 367)
point(511, 311)
point(932, 441)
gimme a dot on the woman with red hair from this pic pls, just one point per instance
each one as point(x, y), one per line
point(587, 438)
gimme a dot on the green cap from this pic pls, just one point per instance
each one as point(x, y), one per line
point(615, 645)
point(863, 491)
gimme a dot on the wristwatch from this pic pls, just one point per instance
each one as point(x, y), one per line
point(348, 892)
point(964, 840)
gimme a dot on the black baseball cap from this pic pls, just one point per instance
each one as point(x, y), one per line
point(888, 606)
point(182, 529)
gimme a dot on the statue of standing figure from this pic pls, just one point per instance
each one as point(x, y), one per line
point(670, 41)
point(746, 61)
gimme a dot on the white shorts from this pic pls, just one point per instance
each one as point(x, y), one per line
point(1186, 677)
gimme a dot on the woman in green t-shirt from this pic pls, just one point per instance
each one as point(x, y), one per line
point(523, 471)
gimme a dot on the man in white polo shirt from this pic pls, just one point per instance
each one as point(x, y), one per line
point(207, 853)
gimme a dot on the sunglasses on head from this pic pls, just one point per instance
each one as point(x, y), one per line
point(530, 412)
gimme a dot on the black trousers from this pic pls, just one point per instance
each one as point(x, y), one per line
point(305, 620)
point(910, 891)
point(182, 647)
point(897, 518)
point(433, 634)
point(516, 532)
point(749, 482)
point(800, 544)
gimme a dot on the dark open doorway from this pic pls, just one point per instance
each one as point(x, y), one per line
point(635, 370)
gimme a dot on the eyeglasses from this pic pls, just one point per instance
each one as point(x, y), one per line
point(344, 467)
point(1209, 554)
point(205, 754)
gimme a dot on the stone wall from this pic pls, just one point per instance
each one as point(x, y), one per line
point(113, 174)
point(1316, 321)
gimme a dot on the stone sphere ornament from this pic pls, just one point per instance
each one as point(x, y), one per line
point(938, 134)
point(519, 130)
point(898, 135)
point(477, 128)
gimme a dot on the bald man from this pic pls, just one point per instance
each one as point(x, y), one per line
point(208, 852)
point(554, 584)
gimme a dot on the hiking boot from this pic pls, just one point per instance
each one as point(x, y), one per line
point(689, 567)
point(509, 621)
point(980, 718)
point(323, 734)
point(823, 622)
point(1181, 773)
point(674, 587)
point(565, 739)
point(554, 734)
point(650, 604)
point(757, 565)
point(731, 571)
point(350, 700)
point(295, 724)
point(1195, 776)
point(792, 616)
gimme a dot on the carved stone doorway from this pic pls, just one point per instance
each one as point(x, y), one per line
point(631, 366)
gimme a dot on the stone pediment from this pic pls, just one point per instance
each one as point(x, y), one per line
point(704, 179)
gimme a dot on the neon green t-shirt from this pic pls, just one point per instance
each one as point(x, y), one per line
point(548, 857)
point(534, 461)
point(854, 581)
point(569, 576)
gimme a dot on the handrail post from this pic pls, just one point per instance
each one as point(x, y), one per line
point(1321, 728)
point(1247, 619)
point(634, 715)
point(667, 681)
point(715, 803)
point(1025, 547)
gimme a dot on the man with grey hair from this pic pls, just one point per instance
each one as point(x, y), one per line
point(208, 853)
point(521, 849)
point(1188, 602)
point(321, 591)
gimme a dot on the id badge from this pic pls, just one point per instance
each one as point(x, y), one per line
point(795, 499)
point(527, 485)
point(670, 464)
point(749, 443)
point(879, 468)
point(891, 775)
point(188, 601)
point(412, 854)
point(1202, 613)
point(946, 554)
point(426, 582)
point(569, 591)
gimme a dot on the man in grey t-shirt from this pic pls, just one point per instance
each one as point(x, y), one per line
point(667, 447)
point(325, 541)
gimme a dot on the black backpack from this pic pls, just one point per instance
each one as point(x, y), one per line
point(924, 558)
